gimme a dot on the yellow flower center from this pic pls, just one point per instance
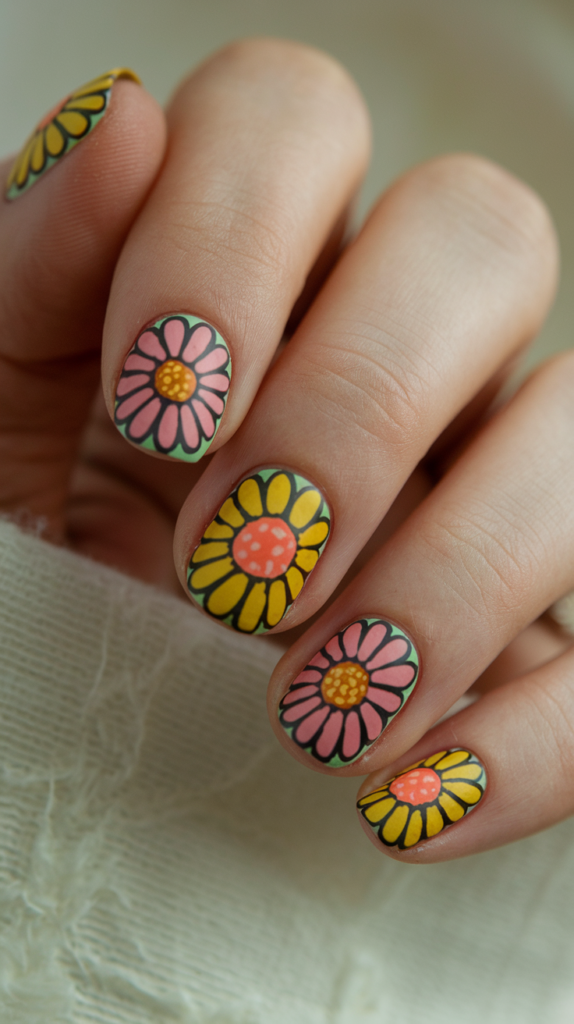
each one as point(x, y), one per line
point(345, 685)
point(175, 381)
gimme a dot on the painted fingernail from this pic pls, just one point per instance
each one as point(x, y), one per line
point(59, 131)
point(256, 555)
point(173, 387)
point(425, 799)
point(350, 690)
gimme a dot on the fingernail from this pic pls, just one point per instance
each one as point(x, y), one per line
point(350, 690)
point(255, 557)
point(425, 799)
point(173, 387)
point(60, 130)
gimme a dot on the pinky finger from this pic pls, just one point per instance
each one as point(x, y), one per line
point(509, 758)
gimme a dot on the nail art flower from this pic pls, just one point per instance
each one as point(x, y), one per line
point(66, 125)
point(173, 388)
point(424, 799)
point(256, 555)
point(349, 692)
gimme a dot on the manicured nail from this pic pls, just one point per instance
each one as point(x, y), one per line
point(425, 799)
point(255, 556)
point(59, 131)
point(173, 387)
point(349, 692)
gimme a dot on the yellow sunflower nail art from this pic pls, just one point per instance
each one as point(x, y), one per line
point(255, 556)
point(60, 130)
point(424, 799)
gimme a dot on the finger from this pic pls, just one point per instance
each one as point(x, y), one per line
point(454, 268)
point(59, 239)
point(484, 555)
point(521, 735)
point(268, 143)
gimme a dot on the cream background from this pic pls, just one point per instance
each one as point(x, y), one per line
point(495, 76)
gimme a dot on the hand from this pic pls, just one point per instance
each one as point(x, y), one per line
point(400, 345)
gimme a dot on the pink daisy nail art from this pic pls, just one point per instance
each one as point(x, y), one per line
point(173, 387)
point(349, 692)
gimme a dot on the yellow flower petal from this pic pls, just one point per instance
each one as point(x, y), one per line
point(21, 165)
point(253, 607)
point(37, 155)
point(250, 497)
point(466, 771)
point(432, 759)
point(230, 513)
point(92, 103)
point(76, 124)
point(377, 812)
point(470, 794)
point(278, 494)
point(205, 551)
point(304, 508)
point(454, 811)
point(295, 581)
point(54, 140)
point(307, 560)
point(216, 531)
point(315, 535)
point(395, 824)
point(277, 602)
point(377, 794)
point(208, 574)
point(435, 824)
point(224, 599)
point(104, 82)
point(450, 760)
point(414, 829)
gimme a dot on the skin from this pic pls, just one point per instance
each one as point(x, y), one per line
point(453, 521)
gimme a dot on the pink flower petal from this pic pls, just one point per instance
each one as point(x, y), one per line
point(135, 362)
point(333, 649)
point(218, 357)
point(173, 332)
point(144, 419)
point(374, 636)
point(352, 735)
point(319, 661)
point(149, 343)
point(299, 694)
point(197, 343)
point(213, 401)
point(300, 710)
point(189, 427)
point(309, 676)
point(372, 720)
point(391, 702)
point(398, 675)
point(168, 424)
point(330, 734)
point(390, 652)
point(217, 381)
point(127, 384)
point(309, 727)
point(205, 418)
point(351, 638)
point(131, 404)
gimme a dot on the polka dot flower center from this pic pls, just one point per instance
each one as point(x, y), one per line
point(265, 547)
point(418, 786)
point(345, 685)
point(175, 381)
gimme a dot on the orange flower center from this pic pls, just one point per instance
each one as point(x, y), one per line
point(175, 381)
point(265, 547)
point(345, 685)
point(419, 786)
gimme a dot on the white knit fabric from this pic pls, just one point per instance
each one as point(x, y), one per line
point(163, 860)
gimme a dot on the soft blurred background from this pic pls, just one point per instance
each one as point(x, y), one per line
point(493, 76)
